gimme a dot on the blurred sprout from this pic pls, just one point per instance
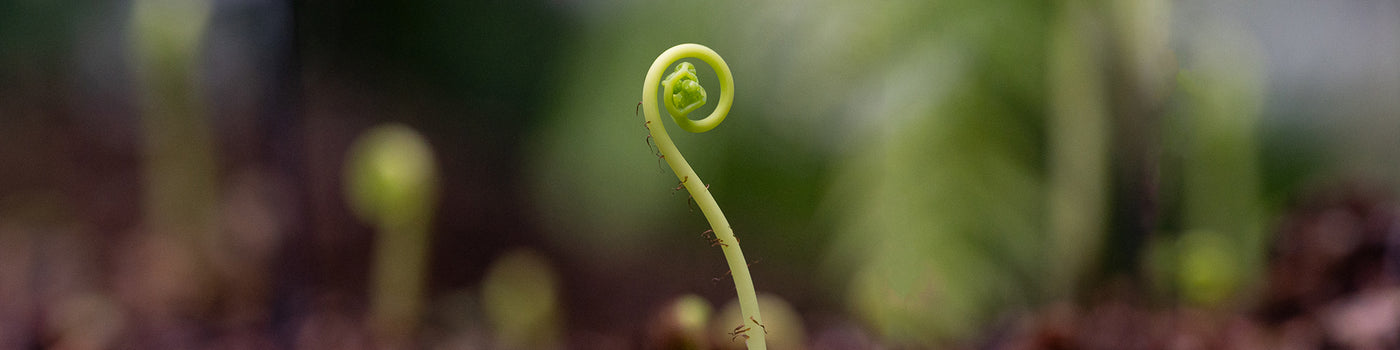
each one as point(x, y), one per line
point(1208, 272)
point(520, 297)
point(180, 171)
point(941, 228)
point(1215, 138)
point(781, 322)
point(1143, 33)
point(392, 183)
point(682, 324)
point(1078, 130)
point(691, 312)
point(168, 31)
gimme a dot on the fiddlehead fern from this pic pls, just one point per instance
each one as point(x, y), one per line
point(681, 95)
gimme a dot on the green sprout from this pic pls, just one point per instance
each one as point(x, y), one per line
point(682, 95)
point(391, 183)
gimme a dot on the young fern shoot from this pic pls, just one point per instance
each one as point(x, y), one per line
point(682, 94)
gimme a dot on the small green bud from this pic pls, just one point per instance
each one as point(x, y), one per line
point(683, 91)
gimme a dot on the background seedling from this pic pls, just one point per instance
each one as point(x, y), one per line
point(391, 183)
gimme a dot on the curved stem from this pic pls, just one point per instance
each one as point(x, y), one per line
point(743, 282)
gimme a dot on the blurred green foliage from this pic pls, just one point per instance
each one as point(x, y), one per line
point(520, 294)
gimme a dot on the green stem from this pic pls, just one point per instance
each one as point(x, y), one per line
point(692, 96)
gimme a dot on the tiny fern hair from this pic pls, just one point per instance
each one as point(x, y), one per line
point(682, 94)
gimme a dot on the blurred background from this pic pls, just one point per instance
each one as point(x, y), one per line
point(1074, 174)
